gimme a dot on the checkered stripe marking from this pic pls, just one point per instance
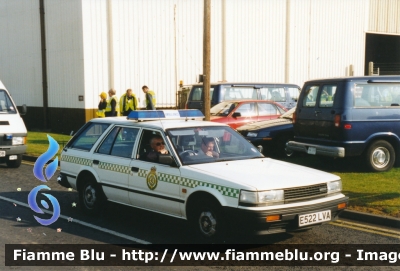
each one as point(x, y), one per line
point(114, 167)
point(226, 191)
point(76, 160)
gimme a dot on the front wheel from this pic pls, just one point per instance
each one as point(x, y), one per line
point(380, 156)
point(15, 163)
point(207, 220)
point(91, 197)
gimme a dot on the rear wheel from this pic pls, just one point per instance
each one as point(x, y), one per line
point(380, 156)
point(91, 197)
point(14, 163)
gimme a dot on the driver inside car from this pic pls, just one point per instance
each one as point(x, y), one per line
point(158, 147)
point(207, 147)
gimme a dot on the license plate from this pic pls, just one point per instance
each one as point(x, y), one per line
point(314, 218)
point(312, 150)
point(2, 153)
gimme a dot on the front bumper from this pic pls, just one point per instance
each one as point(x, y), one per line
point(255, 221)
point(323, 150)
point(17, 149)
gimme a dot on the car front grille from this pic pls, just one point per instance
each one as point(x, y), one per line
point(305, 193)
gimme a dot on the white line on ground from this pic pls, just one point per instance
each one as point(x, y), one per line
point(366, 228)
point(121, 235)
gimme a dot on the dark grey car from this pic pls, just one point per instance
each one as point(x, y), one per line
point(284, 94)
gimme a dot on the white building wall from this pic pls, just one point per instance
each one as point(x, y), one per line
point(159, 42)
point(326, 38)
point(255, 40)
point(95, 50)
point(384, 16)
point(65, 63)
point(20, 51)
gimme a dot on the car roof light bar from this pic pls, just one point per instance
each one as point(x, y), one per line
point(143, 115)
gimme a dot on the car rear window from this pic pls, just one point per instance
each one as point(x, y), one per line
point(85, 139)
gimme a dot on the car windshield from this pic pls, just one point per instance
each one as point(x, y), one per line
point(209, 144)
point(6, 106)
point(223, 109)
point(288, 114)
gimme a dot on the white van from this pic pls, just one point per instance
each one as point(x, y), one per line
point(12, 130)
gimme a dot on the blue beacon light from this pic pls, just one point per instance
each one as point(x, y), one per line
point(164, 114)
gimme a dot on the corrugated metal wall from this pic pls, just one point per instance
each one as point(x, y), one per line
point(326, 37)
point(64, 43)
point(20, 53)
point(95, 50)
point(384, 16)
point(159, 42)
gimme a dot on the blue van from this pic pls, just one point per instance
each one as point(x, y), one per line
point(284, 94)
point(350, 116)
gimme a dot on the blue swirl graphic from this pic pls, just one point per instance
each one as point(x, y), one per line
point(32, 203)
point(43, 159)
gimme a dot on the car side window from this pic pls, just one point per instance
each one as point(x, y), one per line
point(294, 93)
point(376, 95)
point(247, 110)
point(274, 94)
point(88, 136)
point(310, 96)
point(267, 109)
point(327, 96)
point(119, 142)
point(145, 144)
point(197, 94)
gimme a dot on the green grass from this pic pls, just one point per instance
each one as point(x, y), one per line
point(38, 142)
point(377, 193)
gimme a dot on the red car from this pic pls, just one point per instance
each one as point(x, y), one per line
point(237, 113)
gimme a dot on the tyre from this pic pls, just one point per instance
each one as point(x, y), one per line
point(380, 156)
point(15, 163)
point(206, 220)
point(281, 150)
point(91, 197)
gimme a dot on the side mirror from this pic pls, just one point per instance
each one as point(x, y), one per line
point(166, 159)
point(260, 148)
point(23, 110)
point(236, 114)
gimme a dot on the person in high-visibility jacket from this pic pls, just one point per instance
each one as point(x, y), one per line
point(112, 107)
point(102, 105)
point(127, 102)
point(150, 98)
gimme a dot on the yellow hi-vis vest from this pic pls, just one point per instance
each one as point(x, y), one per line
point(101, 113)
point(108, 107)
point(129, 104)
point(153, 95)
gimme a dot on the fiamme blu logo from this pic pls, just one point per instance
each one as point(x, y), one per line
point(44, 173)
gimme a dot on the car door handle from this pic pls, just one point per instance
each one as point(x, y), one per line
point(317, 112)
point(96, 162)
point(135, 169)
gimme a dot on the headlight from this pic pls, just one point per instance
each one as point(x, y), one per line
point(18, 140)
point(270, 197)
point(251, 134)
point(334, 187)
